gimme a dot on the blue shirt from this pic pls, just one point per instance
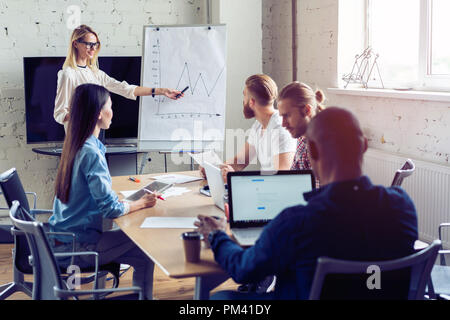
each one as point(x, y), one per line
point(351, 220)
point(91, 198)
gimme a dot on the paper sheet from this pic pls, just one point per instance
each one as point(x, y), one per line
point(176, 178)
point(208, 156)
point(169, 222)
point(174, 191)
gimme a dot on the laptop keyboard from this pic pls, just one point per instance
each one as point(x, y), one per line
point(250, 233)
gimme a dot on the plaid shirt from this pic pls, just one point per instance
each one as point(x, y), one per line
point(301, 161)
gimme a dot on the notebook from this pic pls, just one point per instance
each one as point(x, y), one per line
point(256, 198)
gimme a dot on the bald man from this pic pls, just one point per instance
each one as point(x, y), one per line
point(347, 218)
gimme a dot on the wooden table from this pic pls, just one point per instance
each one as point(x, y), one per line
point(164, 246)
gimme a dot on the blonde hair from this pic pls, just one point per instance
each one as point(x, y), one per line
point(263, 88)
point(71, 59)
point(302, 94)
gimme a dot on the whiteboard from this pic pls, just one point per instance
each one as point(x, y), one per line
point(176, 57)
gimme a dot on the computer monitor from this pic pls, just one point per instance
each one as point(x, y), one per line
point(257, 198)
point(40, 77)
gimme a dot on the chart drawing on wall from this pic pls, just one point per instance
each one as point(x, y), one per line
point(179, 57)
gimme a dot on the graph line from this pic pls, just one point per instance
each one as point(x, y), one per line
point(200, 76)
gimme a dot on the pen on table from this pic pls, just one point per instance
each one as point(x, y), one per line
point(179, 95)
point(134, 179)
point(159, 197)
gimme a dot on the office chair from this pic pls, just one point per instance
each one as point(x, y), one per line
point(12, 189)
point(439, 284)
point(405, 171)
point(400, 279)
point(49, 284)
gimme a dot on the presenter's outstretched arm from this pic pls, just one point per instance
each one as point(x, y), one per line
point(169, 93)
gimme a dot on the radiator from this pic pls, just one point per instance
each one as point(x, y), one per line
point(428, 187)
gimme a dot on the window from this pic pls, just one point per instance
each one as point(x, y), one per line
point(411, 38)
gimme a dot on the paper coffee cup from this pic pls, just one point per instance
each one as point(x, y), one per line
point(192, 245)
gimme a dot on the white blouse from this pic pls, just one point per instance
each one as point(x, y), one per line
point(70, 78)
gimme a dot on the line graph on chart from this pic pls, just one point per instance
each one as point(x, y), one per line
point(180, 57)
point(201, 85)
point(194, 84)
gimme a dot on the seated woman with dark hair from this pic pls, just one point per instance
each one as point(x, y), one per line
point(83, 194)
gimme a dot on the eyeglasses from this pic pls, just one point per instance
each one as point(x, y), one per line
point(90, 45)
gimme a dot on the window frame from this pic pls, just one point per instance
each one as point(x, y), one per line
point(426, 81)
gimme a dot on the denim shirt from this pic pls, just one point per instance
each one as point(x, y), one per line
point(351, 220)
point(90, 199)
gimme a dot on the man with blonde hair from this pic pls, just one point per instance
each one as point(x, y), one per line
point(268, 141)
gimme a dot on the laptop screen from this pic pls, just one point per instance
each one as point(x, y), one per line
point(256, 199)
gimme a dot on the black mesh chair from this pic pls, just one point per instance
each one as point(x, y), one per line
point(405, 171)
point(49, 283)
point(400, 279)
point(439, 284)
point(13, 190)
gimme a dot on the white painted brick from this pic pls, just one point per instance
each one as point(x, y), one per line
point(44, 164)
point(158, 8)
point(102, 6)
point(8, 142)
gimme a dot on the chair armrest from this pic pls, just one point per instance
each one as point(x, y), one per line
point(442, 254)
point(82, 253)
point(61, 293)
point(35, 198)
point(27, 193)
point(68, 234)
point(441, 226)
point(34, 212)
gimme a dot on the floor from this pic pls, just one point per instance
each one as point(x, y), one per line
point(165, 288)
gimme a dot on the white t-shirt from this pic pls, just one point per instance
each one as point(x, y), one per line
point(70, 78)
point(272, 141)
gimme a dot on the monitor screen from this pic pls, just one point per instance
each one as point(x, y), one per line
point(40, 76)
point(258, 198)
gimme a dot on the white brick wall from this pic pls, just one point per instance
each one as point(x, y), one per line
point(277, 40)
point(38, 28)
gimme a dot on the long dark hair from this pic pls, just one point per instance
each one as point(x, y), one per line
point(86, 104)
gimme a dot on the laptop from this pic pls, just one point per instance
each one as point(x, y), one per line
point(255, 198)
point(216, 185)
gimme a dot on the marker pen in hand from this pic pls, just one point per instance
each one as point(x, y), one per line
point(179, 95)
point(151, 192)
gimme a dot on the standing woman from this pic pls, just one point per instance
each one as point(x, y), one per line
point(81, 66)
point(298, 104)
point(83, 194)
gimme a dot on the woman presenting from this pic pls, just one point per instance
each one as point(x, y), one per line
point(81, 66)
